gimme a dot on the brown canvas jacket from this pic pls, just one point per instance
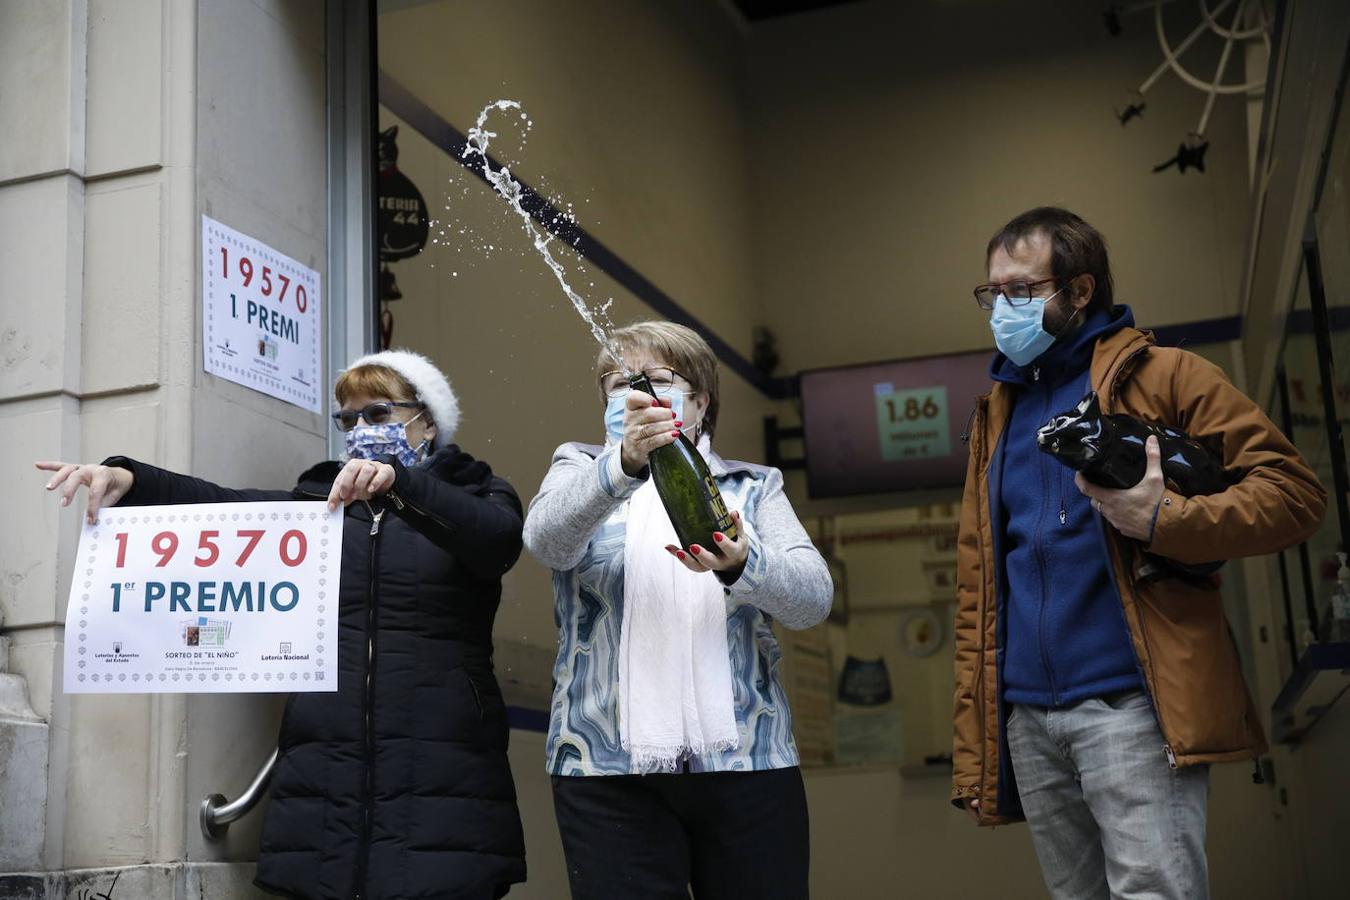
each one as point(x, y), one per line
point(1180, 635)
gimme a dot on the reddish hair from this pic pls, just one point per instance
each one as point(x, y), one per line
point(373, 381)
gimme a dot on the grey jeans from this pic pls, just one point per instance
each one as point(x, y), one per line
point(1109, 817)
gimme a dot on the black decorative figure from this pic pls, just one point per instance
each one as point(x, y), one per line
point(1109, 450)
point(403, 226)
point(1131, 111)
point(403, 220)
point(1111, 15)
point(1190, 154)
point(765, 351)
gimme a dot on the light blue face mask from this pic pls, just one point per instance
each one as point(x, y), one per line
point(614, 413)
point(374, 441)
point(1019, 331)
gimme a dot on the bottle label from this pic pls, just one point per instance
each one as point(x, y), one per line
point(719, 508)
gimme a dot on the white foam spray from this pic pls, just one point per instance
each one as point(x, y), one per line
point(511, 191)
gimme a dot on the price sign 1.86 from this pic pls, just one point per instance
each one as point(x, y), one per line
point(912, 410)
point(912, 423)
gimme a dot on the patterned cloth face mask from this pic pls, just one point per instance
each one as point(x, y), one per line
point(374, 441)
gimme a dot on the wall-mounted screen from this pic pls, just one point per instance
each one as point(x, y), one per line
point(890, 426)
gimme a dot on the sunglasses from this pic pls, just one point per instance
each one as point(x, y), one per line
point(376, 413)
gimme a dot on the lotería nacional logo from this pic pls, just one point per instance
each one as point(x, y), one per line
point(284, 654)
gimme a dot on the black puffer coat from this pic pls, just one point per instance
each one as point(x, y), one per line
point(397, 785)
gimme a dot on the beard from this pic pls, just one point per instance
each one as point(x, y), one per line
point(1061, 318)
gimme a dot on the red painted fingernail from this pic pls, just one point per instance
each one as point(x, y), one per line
point(672, 413)
point(717, 536)
point(675, 431)
point(678, 424)
point(695, 549)
point(680, 554)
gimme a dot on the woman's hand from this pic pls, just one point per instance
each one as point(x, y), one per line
point(647, 424)
point(106, 484)
point(726, 555)
point(360, 479)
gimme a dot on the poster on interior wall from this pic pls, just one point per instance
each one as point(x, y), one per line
point(205, 598)
point(260, 317)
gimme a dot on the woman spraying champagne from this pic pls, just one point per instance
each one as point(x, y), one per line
point(686, 487)
point(670, 739)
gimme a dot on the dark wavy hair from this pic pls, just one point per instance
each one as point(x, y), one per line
point(1075, 248)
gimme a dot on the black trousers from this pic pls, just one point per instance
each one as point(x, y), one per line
point(726, 835)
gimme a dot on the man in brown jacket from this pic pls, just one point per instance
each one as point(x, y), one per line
point(1096, 675)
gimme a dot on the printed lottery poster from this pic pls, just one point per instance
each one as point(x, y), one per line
point(206, 598)
point(260, 317)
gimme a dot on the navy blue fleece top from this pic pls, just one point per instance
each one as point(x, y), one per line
point(1066, 638)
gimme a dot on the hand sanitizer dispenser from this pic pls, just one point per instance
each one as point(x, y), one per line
point(1340, 604)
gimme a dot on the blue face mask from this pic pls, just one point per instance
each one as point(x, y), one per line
point(1019, 331)
point(614, 413)
point(373, 441)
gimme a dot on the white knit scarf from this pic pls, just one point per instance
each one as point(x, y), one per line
point(675, 692)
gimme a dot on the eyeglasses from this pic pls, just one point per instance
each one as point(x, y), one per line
point(1017, 293)
point(615, 384)
point(376, 413)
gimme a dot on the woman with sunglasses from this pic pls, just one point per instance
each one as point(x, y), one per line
point(397, 784)
point(670, 741)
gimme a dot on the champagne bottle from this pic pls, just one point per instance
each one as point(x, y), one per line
point(686, 487)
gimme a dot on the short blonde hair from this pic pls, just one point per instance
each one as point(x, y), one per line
point(682, 348)
point(375, 381)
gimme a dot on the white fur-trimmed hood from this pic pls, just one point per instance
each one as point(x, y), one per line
point(431, 385)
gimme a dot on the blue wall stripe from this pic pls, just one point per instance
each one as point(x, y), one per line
point(1300, 321)
point(425, 120)
point(1229, 328)
point(1205, 331)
